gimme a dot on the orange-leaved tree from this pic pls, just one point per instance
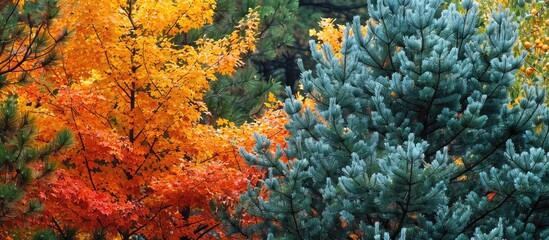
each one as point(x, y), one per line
point(144, 164)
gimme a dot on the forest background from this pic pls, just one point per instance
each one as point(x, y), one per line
point(125, 120)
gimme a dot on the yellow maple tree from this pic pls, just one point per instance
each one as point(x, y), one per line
point(132, 94)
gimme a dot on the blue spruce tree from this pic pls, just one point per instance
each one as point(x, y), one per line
point(413, 136)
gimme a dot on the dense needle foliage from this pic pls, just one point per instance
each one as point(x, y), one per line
point(411, 136)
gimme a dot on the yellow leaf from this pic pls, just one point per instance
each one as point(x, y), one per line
point(517, 100)
point(459, 162)
point(272, 97)
point(221, 121)
point(353, 236)
point(539, 127)
point(299, 97)
point(461, 178)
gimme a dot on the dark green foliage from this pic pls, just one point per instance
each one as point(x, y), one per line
point(66, 233)
point(22, 161)
point(26, 44)
point(412, 137)
point(283, 36)
point(308, 16)
point(47, 234)
point(241, 96)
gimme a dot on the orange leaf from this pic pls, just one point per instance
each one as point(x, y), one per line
point(491, 195)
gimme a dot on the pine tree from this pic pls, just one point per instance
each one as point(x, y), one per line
point(26, 45)
point(284, 32)
point(240, 96)
point(412, 135)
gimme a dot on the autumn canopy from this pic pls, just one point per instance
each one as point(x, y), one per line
point(129, 87)
point(164, 119)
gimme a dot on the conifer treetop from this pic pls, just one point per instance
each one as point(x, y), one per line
point(413, 135)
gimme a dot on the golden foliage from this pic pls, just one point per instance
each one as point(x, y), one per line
point(133, 97)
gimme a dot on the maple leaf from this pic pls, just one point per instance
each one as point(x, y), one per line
point(132, 94)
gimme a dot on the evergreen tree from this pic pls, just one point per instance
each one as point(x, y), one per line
point(308, 16)
point(283, 32)
point(413, 136)
point(26, 45)
point(241, 96)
